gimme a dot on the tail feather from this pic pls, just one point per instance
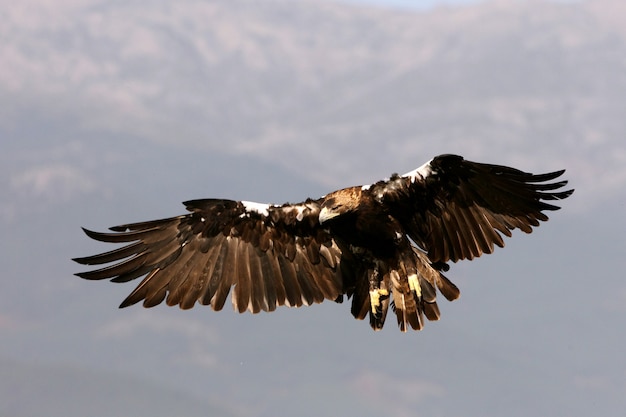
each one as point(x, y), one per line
point(431, 311)
point(415, 285)
point(409, 288)
point(429, 299)
point(447, 288)
point(407, 310)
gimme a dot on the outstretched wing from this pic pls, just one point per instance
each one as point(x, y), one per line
point(271, 255)
point(456, 209)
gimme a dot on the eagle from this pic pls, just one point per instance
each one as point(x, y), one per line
point(384, 245)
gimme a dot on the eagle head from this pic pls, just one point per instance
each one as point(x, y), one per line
point(339, 203)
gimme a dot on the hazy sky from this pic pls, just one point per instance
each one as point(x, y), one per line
point(413, 4)
point(118, 111)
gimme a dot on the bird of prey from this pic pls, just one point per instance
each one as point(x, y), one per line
point(382, 245)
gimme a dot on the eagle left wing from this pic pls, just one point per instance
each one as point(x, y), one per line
point(271, 255)
point(457, 209)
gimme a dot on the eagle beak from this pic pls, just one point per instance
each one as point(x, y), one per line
point(326, 214)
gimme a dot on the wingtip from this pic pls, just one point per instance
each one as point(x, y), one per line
point(83, 260)
point(132, 299)
point(91, 233)
point(83, 275)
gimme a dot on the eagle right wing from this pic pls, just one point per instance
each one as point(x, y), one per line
point(271, 255)
point(457, 209)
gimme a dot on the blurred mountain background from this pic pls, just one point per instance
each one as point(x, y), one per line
point(114, 112)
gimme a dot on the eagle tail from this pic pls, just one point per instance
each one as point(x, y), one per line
point(406, 302)
point(414, 288)
point(409, 288)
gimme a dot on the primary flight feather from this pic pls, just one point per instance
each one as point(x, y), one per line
point(384, 245)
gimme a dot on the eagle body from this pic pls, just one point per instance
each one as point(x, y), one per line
point(384, 245)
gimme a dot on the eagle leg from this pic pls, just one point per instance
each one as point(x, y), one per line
point(379, 297)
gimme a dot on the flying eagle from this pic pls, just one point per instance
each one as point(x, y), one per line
point(383, 245)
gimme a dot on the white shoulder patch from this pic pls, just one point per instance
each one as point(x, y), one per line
point(300, 209)
point(260, 208)
point(421, 172)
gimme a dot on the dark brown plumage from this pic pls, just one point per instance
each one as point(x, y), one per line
point(383, 244)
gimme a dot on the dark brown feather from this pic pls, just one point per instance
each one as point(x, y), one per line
point(385, 245)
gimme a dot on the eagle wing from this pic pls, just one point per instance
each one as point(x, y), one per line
point(271, 255)
point(457, 209)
